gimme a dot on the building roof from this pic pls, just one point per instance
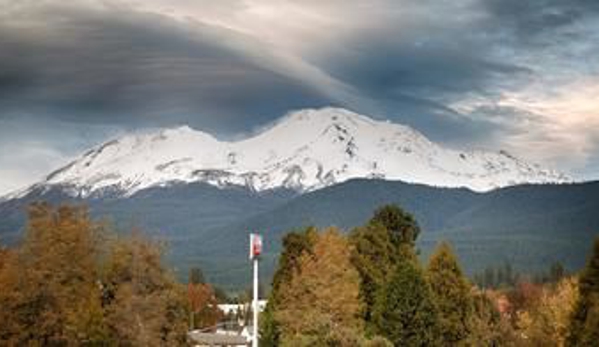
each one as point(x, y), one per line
point(211, 339)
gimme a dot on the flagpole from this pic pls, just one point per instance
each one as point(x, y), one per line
point(255, 332)
point(255, 251)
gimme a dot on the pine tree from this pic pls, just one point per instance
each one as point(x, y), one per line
point(556, 272)
point(584, 323)
point(490, 278)
point(377, 248)
point(403, 226)
point(374, 256)
point(404, 311)
point(451, 292)
point(196, 276)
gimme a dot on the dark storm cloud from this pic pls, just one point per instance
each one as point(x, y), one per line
point(432, 68)
point(124, 67)
point(427, 55)
point(414, 68)
point(530, 18)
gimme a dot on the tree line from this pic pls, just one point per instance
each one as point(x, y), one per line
point(369, 288)
point(504, 276)
point(73, 281)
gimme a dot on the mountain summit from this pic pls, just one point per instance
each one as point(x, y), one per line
point(305, 150)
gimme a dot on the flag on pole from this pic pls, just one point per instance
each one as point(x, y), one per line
point(255, 245)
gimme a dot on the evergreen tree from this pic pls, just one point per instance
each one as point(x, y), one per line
point(196, 276)
point(404, 311)
point(556, 272)
point(451, 292)
point(584, 323)
point(508, 272)
point(490, 278)
point(374, 256)
point(221, 295)
point(402, 225)
point(377, 248)
point(295, 244)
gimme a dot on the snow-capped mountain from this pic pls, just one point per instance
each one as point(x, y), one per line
point(306, 150)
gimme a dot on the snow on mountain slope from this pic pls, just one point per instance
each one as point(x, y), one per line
point(306, 150)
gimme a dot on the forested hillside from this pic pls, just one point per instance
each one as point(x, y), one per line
point(529, 226)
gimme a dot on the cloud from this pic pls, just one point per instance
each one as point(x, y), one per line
point(528, 19)
point(34, 162)
point(469, 73)
point(558, 126)
point(100, 65)
point(32, 147)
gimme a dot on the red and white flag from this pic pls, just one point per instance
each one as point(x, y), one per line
point(255, 245)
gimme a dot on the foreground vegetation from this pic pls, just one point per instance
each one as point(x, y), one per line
point(72, 281)
point(370, 289)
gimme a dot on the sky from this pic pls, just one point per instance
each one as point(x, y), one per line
point(522, 76)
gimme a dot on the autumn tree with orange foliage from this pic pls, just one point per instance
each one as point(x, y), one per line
point(71, 282)
point(203, 304)
point(49, 283)
point(144, 304)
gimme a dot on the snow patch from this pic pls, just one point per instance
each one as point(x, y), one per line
point(305, 150)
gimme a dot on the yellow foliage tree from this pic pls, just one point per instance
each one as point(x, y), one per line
point(320, 306)
point(67, 285)
point(47, 283)
point(147, 307)
point(546, 324)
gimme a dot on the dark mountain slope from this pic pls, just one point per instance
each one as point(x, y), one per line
point(530, 225)
point(172, 212)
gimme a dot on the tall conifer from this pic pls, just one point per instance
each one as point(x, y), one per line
point(405, 312)
point(584, 324)
point(377, 247)
point(451, 292)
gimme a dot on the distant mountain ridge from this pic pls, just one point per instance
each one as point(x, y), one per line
point(530, 226)
point(304, 151)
